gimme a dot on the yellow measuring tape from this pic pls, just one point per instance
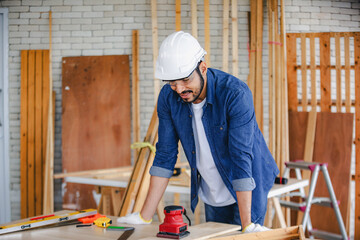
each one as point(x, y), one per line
point(143, 145)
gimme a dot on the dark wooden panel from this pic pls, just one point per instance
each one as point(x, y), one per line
point(333, 142)
point(95, 119)
point(291, 72)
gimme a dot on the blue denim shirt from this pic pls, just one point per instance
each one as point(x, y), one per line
point(237, 145)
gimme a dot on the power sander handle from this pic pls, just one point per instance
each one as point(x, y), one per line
point(173, 209)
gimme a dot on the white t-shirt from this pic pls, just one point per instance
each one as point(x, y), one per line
point(212, 189)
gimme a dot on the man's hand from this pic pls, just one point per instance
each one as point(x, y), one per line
point(133, 218)
point(255, 228)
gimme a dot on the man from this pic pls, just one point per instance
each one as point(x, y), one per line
point(212, 114)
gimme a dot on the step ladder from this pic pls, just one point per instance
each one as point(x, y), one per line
point(305, 206)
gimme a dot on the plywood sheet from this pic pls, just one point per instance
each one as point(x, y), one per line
point(333, 141)
point(95, 119)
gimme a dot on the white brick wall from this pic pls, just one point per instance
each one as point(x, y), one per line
point(101, 27)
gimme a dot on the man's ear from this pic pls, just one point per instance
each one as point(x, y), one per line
point(203, 68)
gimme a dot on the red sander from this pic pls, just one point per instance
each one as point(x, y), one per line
point(174, 226)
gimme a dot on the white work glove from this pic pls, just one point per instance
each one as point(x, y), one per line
point(133, 218)
point(254, 227)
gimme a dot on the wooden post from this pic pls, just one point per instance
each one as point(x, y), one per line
point(347, 73)
point(325, 74)
point(357, 135)
point(338, 72)
point(252, 56)
point(178, 15)
point(49, 162)
point(207, 31)
point(291, 72)
point(155, 46)
point(225, 53)
point(313, 73)
point(258, 74)
point(303, 73)
point(235, 41)
point(135, 89)
point(194, 18)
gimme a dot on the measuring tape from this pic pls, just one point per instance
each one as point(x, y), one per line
point(46, 220)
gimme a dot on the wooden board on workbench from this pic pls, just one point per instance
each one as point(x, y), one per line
point(95, 119)
point(333, 142)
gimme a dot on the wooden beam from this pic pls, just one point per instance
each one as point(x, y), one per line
point(258, 74)
point(235, 41)
point(347, 73)
point(325, 74)
point(194, 27)
point(38, 132)
point(252, 56)
point(24, 134)
point(31, 134)
point(303, 73)
point(48, 202)
point(135, 89)
point(155, 46)
point(225, 52)
point(178, 15)
point(313, 73)
point(357, 135)
point(271, 67)
point(207, 31)
point(338, 73)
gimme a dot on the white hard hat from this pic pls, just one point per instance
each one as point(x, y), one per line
point(179, 55)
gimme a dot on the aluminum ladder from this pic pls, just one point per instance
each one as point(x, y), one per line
point(305, 206)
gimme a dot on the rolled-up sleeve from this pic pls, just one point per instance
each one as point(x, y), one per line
point(242, 124)
point(167, 145)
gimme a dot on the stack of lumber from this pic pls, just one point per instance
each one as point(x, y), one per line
point(136, 191)
point(33, 127)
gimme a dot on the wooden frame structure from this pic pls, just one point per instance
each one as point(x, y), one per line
point(323, 99)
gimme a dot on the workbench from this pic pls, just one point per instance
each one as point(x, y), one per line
point(200, 231)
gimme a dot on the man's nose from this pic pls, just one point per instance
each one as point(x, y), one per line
point(179, 88)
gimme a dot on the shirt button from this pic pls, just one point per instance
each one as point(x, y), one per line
point(193, 169)
point(221, 128)
point(193, 152)
point(190, 115)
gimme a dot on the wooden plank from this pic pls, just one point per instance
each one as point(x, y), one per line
point(154, 26)
point(96, 128)
point(252, 55)
point(338, 73)
point(325, 75)
point(38, 132)
point(338, 157)
point(94, 173)
point(313, 73)
point(31, 133)
point(271, 67)
point(225, 52)
point(291, 72)
point(357, 135)
point(347, 73)
point(48, 201)
point(194, 27)
point(177, 15)
point(258, 74)
point(235, 41)
point(303, 73)
point(24, 134)
point(207, 31)
point(135, 96)
point(139, 168)
point(145, 182)
point(275, 234)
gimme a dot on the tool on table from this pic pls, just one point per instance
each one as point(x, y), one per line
point(103, 222)
point(174, 226)
point(281, 180)
point(84, 225)
point(126, 234)
point(45, 220)
point(91, 219)
point(118, 228)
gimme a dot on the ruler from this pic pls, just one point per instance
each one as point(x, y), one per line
point(46, 220)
